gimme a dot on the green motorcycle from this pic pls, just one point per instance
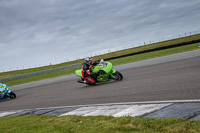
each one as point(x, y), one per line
point(105, 70)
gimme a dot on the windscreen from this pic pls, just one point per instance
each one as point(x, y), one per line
point(103, 64)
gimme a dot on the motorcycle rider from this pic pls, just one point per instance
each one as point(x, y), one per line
point(5, 93)
point(86, 72)
point(2, 87)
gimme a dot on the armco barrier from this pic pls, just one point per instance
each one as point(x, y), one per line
point(155, 49)
point(117, 57)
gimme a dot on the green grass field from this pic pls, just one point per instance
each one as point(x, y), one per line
point(98, 124)
point(113, 54)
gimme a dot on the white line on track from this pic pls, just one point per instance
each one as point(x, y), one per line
point(115, 109)
point(127, 103)
point(123, 103)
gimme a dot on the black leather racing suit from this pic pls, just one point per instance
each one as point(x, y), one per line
point(86, 67)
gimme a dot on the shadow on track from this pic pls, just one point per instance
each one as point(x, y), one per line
point(97, 84)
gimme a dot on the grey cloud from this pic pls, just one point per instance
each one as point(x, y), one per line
point(33, 32)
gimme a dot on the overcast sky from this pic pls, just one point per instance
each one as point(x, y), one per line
point(40, 32)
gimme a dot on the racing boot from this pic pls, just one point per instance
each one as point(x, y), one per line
point(83, 81)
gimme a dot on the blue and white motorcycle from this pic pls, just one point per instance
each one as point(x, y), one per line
point(5, 93)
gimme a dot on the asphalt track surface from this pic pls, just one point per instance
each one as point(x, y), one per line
point(169, 80)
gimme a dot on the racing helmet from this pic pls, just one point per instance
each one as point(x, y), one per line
point(88, 60)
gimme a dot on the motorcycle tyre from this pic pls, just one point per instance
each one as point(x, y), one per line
point(118, 75)
point(12, 95)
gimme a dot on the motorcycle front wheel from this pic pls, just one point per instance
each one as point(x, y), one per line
point(117, 76)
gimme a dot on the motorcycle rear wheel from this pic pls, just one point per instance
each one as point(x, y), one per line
point(12, 95)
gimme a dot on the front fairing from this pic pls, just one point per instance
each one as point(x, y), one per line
point(107, 67)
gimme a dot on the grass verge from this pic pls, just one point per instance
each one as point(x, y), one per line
point(90, 124)
point(115, 62)
point(155, 54)
point(42, 76)
point(113, 54)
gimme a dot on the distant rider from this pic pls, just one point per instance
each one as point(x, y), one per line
point(86, 72)
point(3, 87)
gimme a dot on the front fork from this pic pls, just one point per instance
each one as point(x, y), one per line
point(113, 71)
